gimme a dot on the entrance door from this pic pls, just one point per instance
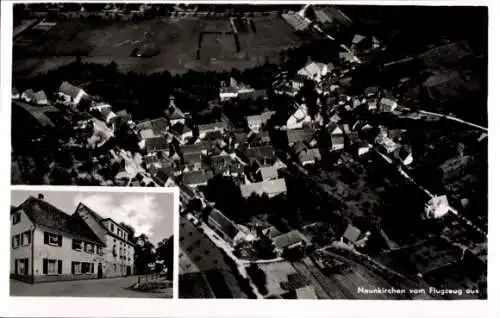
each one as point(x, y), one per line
point(128, 270)
point(99, 270)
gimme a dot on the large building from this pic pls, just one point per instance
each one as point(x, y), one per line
point(48, 244)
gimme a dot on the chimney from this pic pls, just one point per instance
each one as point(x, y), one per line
point(41, 196)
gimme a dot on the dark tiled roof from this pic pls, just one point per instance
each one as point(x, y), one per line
point(180, 129)
point(352, 233)
point(159, 125)
point(303, 134)
point(259, 152)
point(156, 144)
point(288, 239)
point(45, 214)
point(69, 89)
point(196, 177)
point(226, 225)
point(192, 158)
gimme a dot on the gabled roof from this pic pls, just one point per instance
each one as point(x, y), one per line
point(212, 126)
point(69, 89)
point(159, 125)
point(302, 134)
point(180, 128)
point(193, 148)
point(268, 172)
point(99, 219)
point(42, 213)
point(196, 177)
point(226, 225)
point(40, 96)
point(29, 93)
point(263, 117)
point(309, 155)
point(291, 238)
point(192, 158)
point(259, 152)
point(156, 144)
point(172, 113)
point(352, 233)
point(270, 187)
point(337, 140)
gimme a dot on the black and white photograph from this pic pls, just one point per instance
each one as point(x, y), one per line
point(320, 151)
point(84, 243)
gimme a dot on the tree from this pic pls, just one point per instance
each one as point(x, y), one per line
point(165, 253)
point(144, 254)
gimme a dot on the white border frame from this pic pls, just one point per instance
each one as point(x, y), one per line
point(174, 191)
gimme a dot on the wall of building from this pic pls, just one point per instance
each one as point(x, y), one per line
point(114, 266)
point(66, 254)
point(22, 251)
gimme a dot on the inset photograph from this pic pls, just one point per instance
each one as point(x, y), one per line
point(92, 242)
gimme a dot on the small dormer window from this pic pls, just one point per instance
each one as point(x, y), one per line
point(16, 218)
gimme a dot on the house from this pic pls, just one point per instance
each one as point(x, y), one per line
point(255, 122)
point(159, 126)
point(71, 94)
point(267, 173)
point(201, 148)
point(387, 105)
point(40, 98)
point(404, 154)
point(28, 95)
point(309, 156)
point(299, 118)
point(192, 161)
point(437, 207)
point(269, 187)
point(228, 93)
point(51, 245)
point(183, 132)
point(384, 140)
point(259, 153)
point(15, 93)
point(119, 250)
point(220, 164)
point(297, 82)
point(196, 178)
point(362, 147)
point(306, 292)
point(299, 135)
point(315, 70)
point(338, 142)
point(271, 232)
point(223, 226)
point(290, 240)
point(173, 114)
point(155, 144)
point(104, 111)
point(217, 126)
point(297, 22)
point(351, 234)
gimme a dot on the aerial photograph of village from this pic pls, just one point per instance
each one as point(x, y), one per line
point(84, 243)
point(320, 151)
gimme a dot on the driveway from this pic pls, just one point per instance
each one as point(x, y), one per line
point(108, 287)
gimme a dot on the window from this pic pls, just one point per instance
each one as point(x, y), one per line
point(119, 232)
point(99, 250)
point(114, 268)
point(77, 245)
point(16, 218)
point(52, 266)
point(89, 248)
point(26, 238)
point(15, 241)
point(112, 227)
point(87, 268)
point(52, 239)
point(76, 268)
point(22, 266)
point(114, 250)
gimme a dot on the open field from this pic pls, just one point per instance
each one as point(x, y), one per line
point(174, 41)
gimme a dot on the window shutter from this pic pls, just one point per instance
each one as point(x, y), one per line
point(72, 267)
point(26, 263)
point(59, 242)
point(13, 240)
point(92, 268)
point(29, 237)
point(45, 265)
point(46, 237)
point(16, 266)
point(22, 239)
point(59, 267)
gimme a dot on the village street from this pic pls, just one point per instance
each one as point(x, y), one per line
point(108, 287)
